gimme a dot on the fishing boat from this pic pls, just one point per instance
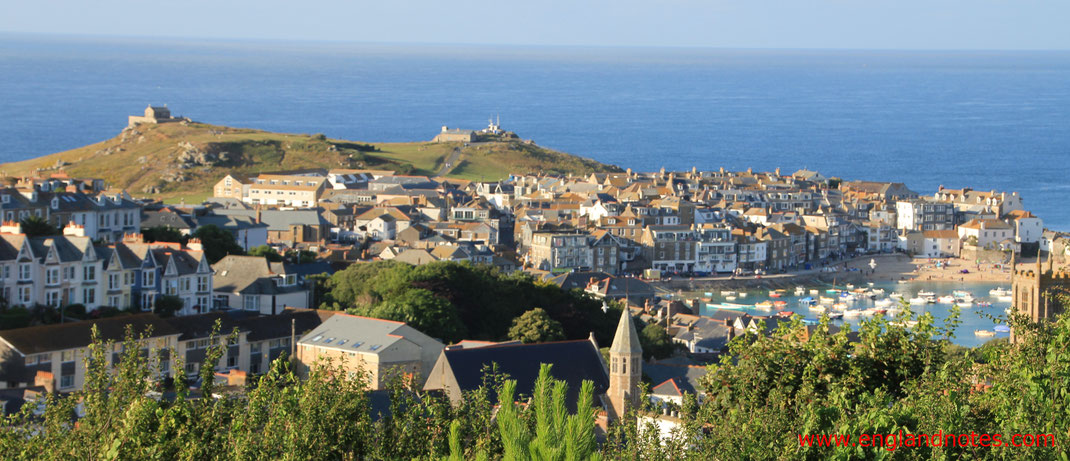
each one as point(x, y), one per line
point(852, 313)
point(773, 294)
point(785, 314)
point(883, 302)
point(730, 298)
point(742, 294)
point(832, 290)
point(999, 291)
point(735, 306)
point(807, 300)
point(818, 308)
point(779, 304)
point(835, 315)
point(946, 299)
point(896, 295)
point(764, 305)
point(984, 333)
point(727, 293)
point(824, 300)
point(814, 292)
point(917, 300)
point(840, 306)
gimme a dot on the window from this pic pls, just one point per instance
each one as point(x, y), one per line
point(25, 272)
point(148, 278)
point(52, 276)
point(232, 362)
point(69, 273)
point(25, 294)
point(66, 381)
point(89, 273)
point(66, 356)
point(251, 303)
point(113, 281)
point(171, 287)
point(113, 301)
point(254, 348)
point(52, 298)
point(202, 283)
point(7, 272)
point(89, 296)
point(128, 279)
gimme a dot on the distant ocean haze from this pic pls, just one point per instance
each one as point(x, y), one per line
point(987, 120)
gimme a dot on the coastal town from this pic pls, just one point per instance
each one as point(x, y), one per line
point(658, 243)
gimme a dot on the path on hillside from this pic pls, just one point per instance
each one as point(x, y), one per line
point(450, 163)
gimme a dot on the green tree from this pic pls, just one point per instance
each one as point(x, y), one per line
point(267, 252)
point(167, 305)
point(655, 341)
point(536, 326)
point(424, 311)
point(217, 242)
point(36, 226)
point(163, 234)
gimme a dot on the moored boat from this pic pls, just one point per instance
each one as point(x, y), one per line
point(984, 333)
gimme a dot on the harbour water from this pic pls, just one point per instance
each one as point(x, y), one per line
point(972, 318)
point(987, 120)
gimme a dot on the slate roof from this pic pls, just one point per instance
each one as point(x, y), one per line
point(165, 218)
point(678, 377)
point(47, 338)
point(249, 275)
point(352, 333)
point(572, 361)
point(577, 279)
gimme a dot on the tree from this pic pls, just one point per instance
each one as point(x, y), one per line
point(423, 311)
point(162, 234)
point(536, 326)
point(655, 341)
point(267, 252)
point(36, 226)
point(167, 305)
point(218, 243)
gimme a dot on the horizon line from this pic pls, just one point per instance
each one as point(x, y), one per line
point(563, 46)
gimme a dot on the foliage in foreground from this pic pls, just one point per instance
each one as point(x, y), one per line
point(771, 390)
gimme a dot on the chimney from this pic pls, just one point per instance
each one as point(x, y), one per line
point(258, 214)
point(46, 380)
point(195, 244)
point(74, 230)
point(11, 227)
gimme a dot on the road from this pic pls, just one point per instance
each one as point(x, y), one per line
point(450, 163)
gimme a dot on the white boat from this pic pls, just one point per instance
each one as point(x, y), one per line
point(916, 301)
point(799, 291)
point(814, 292)
point(884, 302)
point(963, 303)
point(892, 311)
point(818, 308)
point(947, 299)
point(1005, 299)
point(984, 333)
point(850, 286)
point(764, 305)
point(730, 298)
point(895, 295)
point(999, 292)
point(877, 291)
point(742, 294)
point(824, 300)
point(727, 293)
point(852, 313)
point(840, 306)
point(908, 323)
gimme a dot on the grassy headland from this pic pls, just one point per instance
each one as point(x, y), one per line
point(184, 160)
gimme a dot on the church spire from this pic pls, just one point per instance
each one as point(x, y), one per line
point(626, 339)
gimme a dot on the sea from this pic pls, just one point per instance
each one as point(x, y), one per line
point(989, 120)
point(996, 120)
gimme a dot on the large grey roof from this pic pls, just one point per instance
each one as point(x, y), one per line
point(351, 333)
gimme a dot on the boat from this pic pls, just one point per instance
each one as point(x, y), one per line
point(1001, 329)
point(961, 303)
point(876, 311)
point(727, 293)
point(928, 296)
point(850, 286)
point(799, 291)
point(984, 333)
point(773, 294)
point(735, 306)
point(707, 294)
point(891, 311)
point(983, 304)
point(742, 294)
point(999, 292)
point(851, 313)
point(730, 298)
point(785, 314)
point(915, 301)
point(814, 292)
point(961, 294)
point(947, 299)
point(807, 300)
point(824, 300)
point(884, 302)
point(896, 295)
point(876, 291)
point(764, 305)
point(818, 308)
point(832, 290)
point(840, 306)
point(780, 304)
point(835, 315)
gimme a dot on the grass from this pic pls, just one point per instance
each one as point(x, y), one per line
point(147, 158)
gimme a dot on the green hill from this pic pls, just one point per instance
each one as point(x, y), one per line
point(175, 161)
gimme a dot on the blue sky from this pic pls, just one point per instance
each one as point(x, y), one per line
point(852, 24)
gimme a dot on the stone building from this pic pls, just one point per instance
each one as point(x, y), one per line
point(153, 114)
point(1032, 291)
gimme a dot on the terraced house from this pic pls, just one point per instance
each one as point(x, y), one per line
point(70, 269)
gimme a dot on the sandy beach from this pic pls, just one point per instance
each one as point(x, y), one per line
point(901, 267)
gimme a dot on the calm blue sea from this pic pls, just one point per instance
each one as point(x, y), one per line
point(988, 120)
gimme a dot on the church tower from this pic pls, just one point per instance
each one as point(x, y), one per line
point(1031, 291)
point(625, 367)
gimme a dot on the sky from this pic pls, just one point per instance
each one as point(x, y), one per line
point(780, 24)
